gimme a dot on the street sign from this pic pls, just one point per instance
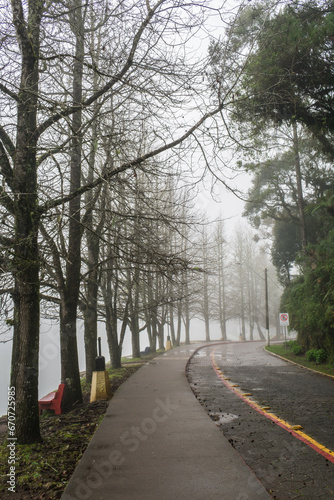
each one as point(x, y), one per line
point(284, 319)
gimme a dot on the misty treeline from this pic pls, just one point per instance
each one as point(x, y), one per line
point(283, 112)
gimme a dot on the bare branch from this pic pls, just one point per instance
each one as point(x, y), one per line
point(129, 62)
point(5, 90)
point(7, 142)
point(126, 166)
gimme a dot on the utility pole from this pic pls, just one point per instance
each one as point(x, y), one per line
point(267, 307)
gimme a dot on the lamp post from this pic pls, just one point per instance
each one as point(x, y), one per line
point(266, 299)
point(267, 306)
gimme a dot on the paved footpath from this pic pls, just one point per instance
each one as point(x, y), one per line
point(156, 442)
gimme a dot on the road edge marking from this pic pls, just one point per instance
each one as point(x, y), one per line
point(305, 438)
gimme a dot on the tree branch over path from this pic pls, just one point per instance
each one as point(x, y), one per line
point(129, 62)
point(7, 142)
point(11, 94)
point(131, 164)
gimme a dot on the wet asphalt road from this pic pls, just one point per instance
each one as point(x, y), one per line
point(286, 466)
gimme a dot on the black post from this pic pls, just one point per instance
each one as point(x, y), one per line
point(100, 363)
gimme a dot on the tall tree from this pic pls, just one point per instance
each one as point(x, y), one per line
point(68, 307)
point(22, 180)
point(289, 77)
point(220, 242)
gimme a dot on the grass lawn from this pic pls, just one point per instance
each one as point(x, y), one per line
point(327, 368)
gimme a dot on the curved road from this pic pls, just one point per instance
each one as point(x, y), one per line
point(278, 416)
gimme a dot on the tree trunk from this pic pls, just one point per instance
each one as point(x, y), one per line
point(187, 322)
point(68, 335)
point(93, 250)
point(299, 187)
point(134, 319)
point(160, 323)
point(110, 305)
point(24, 376)
point(70, 374)
point(114, 347)
point(161, 331)
point(171, 323)
point(151, 316)
point(221, 307)
point(206, 308)
point(251, 295)
point(90, 312)
point(179, 323)
point(135, 335)
point(242, 309)
point(221, 282)
point(206, 312)
point(90, 335)
point(262, 337)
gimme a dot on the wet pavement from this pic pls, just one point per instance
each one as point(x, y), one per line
point(286, 466)
point(156, 442)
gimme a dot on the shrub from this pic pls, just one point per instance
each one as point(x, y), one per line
point(292, 343)
point(311, 355)
point(297, 349)
point(321, 356)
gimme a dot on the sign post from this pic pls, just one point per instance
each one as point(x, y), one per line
point(284, 321)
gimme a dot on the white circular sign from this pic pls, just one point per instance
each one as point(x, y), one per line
point(284, 319)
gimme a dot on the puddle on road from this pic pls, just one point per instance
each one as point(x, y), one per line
point(201, 354)
point(222, 418)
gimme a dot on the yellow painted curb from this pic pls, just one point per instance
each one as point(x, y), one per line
point(294, 429)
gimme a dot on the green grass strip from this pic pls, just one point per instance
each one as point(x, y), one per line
point(280, 350)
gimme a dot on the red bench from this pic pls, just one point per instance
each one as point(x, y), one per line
point(52, 401)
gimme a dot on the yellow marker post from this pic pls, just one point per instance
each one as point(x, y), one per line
point(101, 389)
point(168, 345)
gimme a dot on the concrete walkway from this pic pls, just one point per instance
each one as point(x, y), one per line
point(156, 442)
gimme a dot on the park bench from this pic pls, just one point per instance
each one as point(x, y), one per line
point(52, 401)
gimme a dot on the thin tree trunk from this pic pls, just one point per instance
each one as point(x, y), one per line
point(179, 323)
point(251, 307)
point(171, 323)
point(242, 308)
point(187, 322)
point(151, 315)
point(206, 308)
point(68, 337)
point(111, 329)
point(161, 331)
point(134, 319)
point(90, 332)
point(299, 187)
point(221, 283)
point(261, 335)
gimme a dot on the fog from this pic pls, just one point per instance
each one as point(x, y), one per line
point(49, 359)
point(224, 205)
